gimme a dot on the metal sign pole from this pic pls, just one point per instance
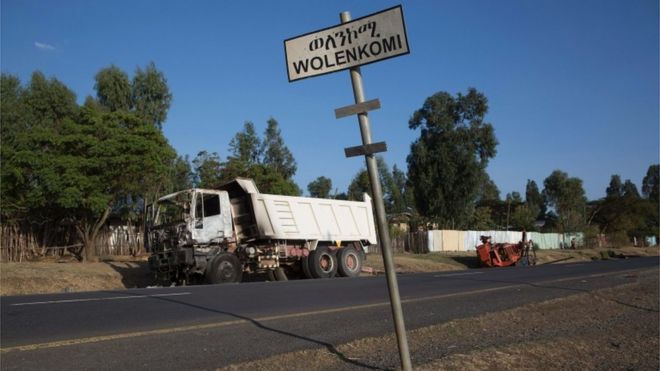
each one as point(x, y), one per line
point(383, 232)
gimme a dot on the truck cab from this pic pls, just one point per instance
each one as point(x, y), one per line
point(181, 228)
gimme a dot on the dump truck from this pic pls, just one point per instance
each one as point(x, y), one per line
point(217, 235)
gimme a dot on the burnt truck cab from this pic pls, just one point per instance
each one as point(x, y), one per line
point(184, 230)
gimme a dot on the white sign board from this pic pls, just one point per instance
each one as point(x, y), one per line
point(364, 40)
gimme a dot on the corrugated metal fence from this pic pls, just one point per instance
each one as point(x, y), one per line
point(449, 240)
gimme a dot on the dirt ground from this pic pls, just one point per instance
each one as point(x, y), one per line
point(57, 275)
point(609, 329)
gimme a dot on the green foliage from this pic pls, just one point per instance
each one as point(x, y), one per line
point(151, 96)
point(488, 190)
point(623, 213)
point(113, 89)
point(359, 186)
point(207, 170)
point(268, 163)
point(397, 197)
point(650, 190)
point(615, 189)
point(446, 164)
point(534, 199)
point(67, 164)
point(47, 102)
point(523, 217)
point(320, 187)
point(272, 182)
point(276, 154)
point(567, 196)
point(181, 174)
point(401, 198)
point(651, 183)
point(482, 219)
point(245, 147)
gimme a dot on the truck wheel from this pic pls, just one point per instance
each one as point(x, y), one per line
point(277, 274)
point(280, 274)
point(224, 268)
point(322, 263)
point(304, 262)
point(350, 262)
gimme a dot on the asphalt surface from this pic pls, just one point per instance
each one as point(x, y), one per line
point(205, 327)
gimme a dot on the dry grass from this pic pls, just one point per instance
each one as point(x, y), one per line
point(449, 260)
point(50, 276)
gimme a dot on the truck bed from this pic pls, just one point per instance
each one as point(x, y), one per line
point(306, 218)
point(276, 217)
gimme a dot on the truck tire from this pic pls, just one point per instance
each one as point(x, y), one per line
point(322, 263)
point(349, 262)
point(277, 274)
point(224, 268)
point(304, 263)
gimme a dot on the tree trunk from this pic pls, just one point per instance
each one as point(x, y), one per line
point(89, 236)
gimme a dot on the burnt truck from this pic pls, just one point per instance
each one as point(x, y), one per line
point(217, 235)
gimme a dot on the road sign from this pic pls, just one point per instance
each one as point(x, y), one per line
point(362, 41)
point(365, 40)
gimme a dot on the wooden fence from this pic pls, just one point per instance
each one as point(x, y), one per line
point(19, 244)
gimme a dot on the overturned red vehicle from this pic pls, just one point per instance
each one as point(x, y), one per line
point(505, 254)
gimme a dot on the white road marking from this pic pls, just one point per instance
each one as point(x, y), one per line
point(457, 274)
point(101, 299)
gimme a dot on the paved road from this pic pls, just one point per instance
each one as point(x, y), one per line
point(212, 326)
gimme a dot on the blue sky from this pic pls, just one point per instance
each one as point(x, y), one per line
point(572, 85)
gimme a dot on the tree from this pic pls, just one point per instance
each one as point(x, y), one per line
point(615, 189)
point(246, 159)
point(207, 170)
point(446, 164)
point(629, 189)
point(651, 183)
point(113, 89)
point(622, 214)
point(650, 190)
point(272, 182)
point(181, 174)
point(523, 217)
point(393, 187)
point(11, 107)
point(488, 190)
point(388, 188)
point(73, 166)
point(245, 147)
point(359, 186)
point(150, 95)
point(534, 199)
point(31, 118)
point(567, 197)
point(482, 219)
point(320, 187)
point(47, 102)
point(276, 154)
point(402, 200)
